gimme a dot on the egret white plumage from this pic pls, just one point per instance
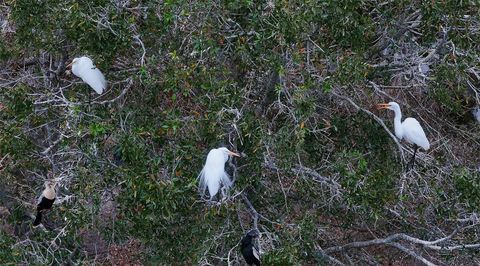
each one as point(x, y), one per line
point(45, 201)
point(410, 129)
point(84, 68)
point(213, 174)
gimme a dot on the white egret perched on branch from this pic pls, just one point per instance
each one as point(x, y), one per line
point(84, 68)
point(45, 202)
point(410, 129)
point(213, 174)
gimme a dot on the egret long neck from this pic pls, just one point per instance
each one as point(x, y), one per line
point(397, 122)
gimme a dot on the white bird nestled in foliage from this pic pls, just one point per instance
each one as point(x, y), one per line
point(213, 174)
point(84, 68)
point(410, 129)
point(45, 202)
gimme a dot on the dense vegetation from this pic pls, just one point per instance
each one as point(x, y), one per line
point(291, 85)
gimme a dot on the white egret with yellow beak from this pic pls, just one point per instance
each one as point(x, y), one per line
point(410, 129)
point(213, 174)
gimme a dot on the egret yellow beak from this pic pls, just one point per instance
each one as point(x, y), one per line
point(231, 153)
point(69, 65)
point(383, 106)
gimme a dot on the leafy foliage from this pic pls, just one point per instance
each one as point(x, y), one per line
point(278, 81)
point(451, 92)
point(467, 185)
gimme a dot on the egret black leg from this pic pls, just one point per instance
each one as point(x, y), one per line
point(412, 161)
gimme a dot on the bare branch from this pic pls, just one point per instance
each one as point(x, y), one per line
point(378, 119)
point(411, 253)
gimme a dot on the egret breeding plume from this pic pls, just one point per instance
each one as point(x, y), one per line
point(475, 112)
point(248, 249)
point(213, 174)
point(84, 68)
point(410, 129)
point(45, 201)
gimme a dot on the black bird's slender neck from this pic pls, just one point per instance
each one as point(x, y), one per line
point(247, 240)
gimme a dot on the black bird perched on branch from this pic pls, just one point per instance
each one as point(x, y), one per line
point(249, 251)
point(45, 201)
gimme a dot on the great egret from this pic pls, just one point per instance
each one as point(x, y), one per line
point(45, 201)
point(84, 68)
point(410, 129)
point(249, 251)
point(213, 174)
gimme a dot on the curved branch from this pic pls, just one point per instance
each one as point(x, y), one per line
point(378, 119)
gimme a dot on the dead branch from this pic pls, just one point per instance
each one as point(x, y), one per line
point(378, 119)
point(129, 82)
point(394, 239)
point(411, 253)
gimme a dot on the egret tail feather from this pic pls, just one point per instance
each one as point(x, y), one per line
point(227, 183)
point(203, 184)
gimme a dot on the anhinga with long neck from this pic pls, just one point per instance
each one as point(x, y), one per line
point(248, 249)
point(410, 129)
point(45, 202)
